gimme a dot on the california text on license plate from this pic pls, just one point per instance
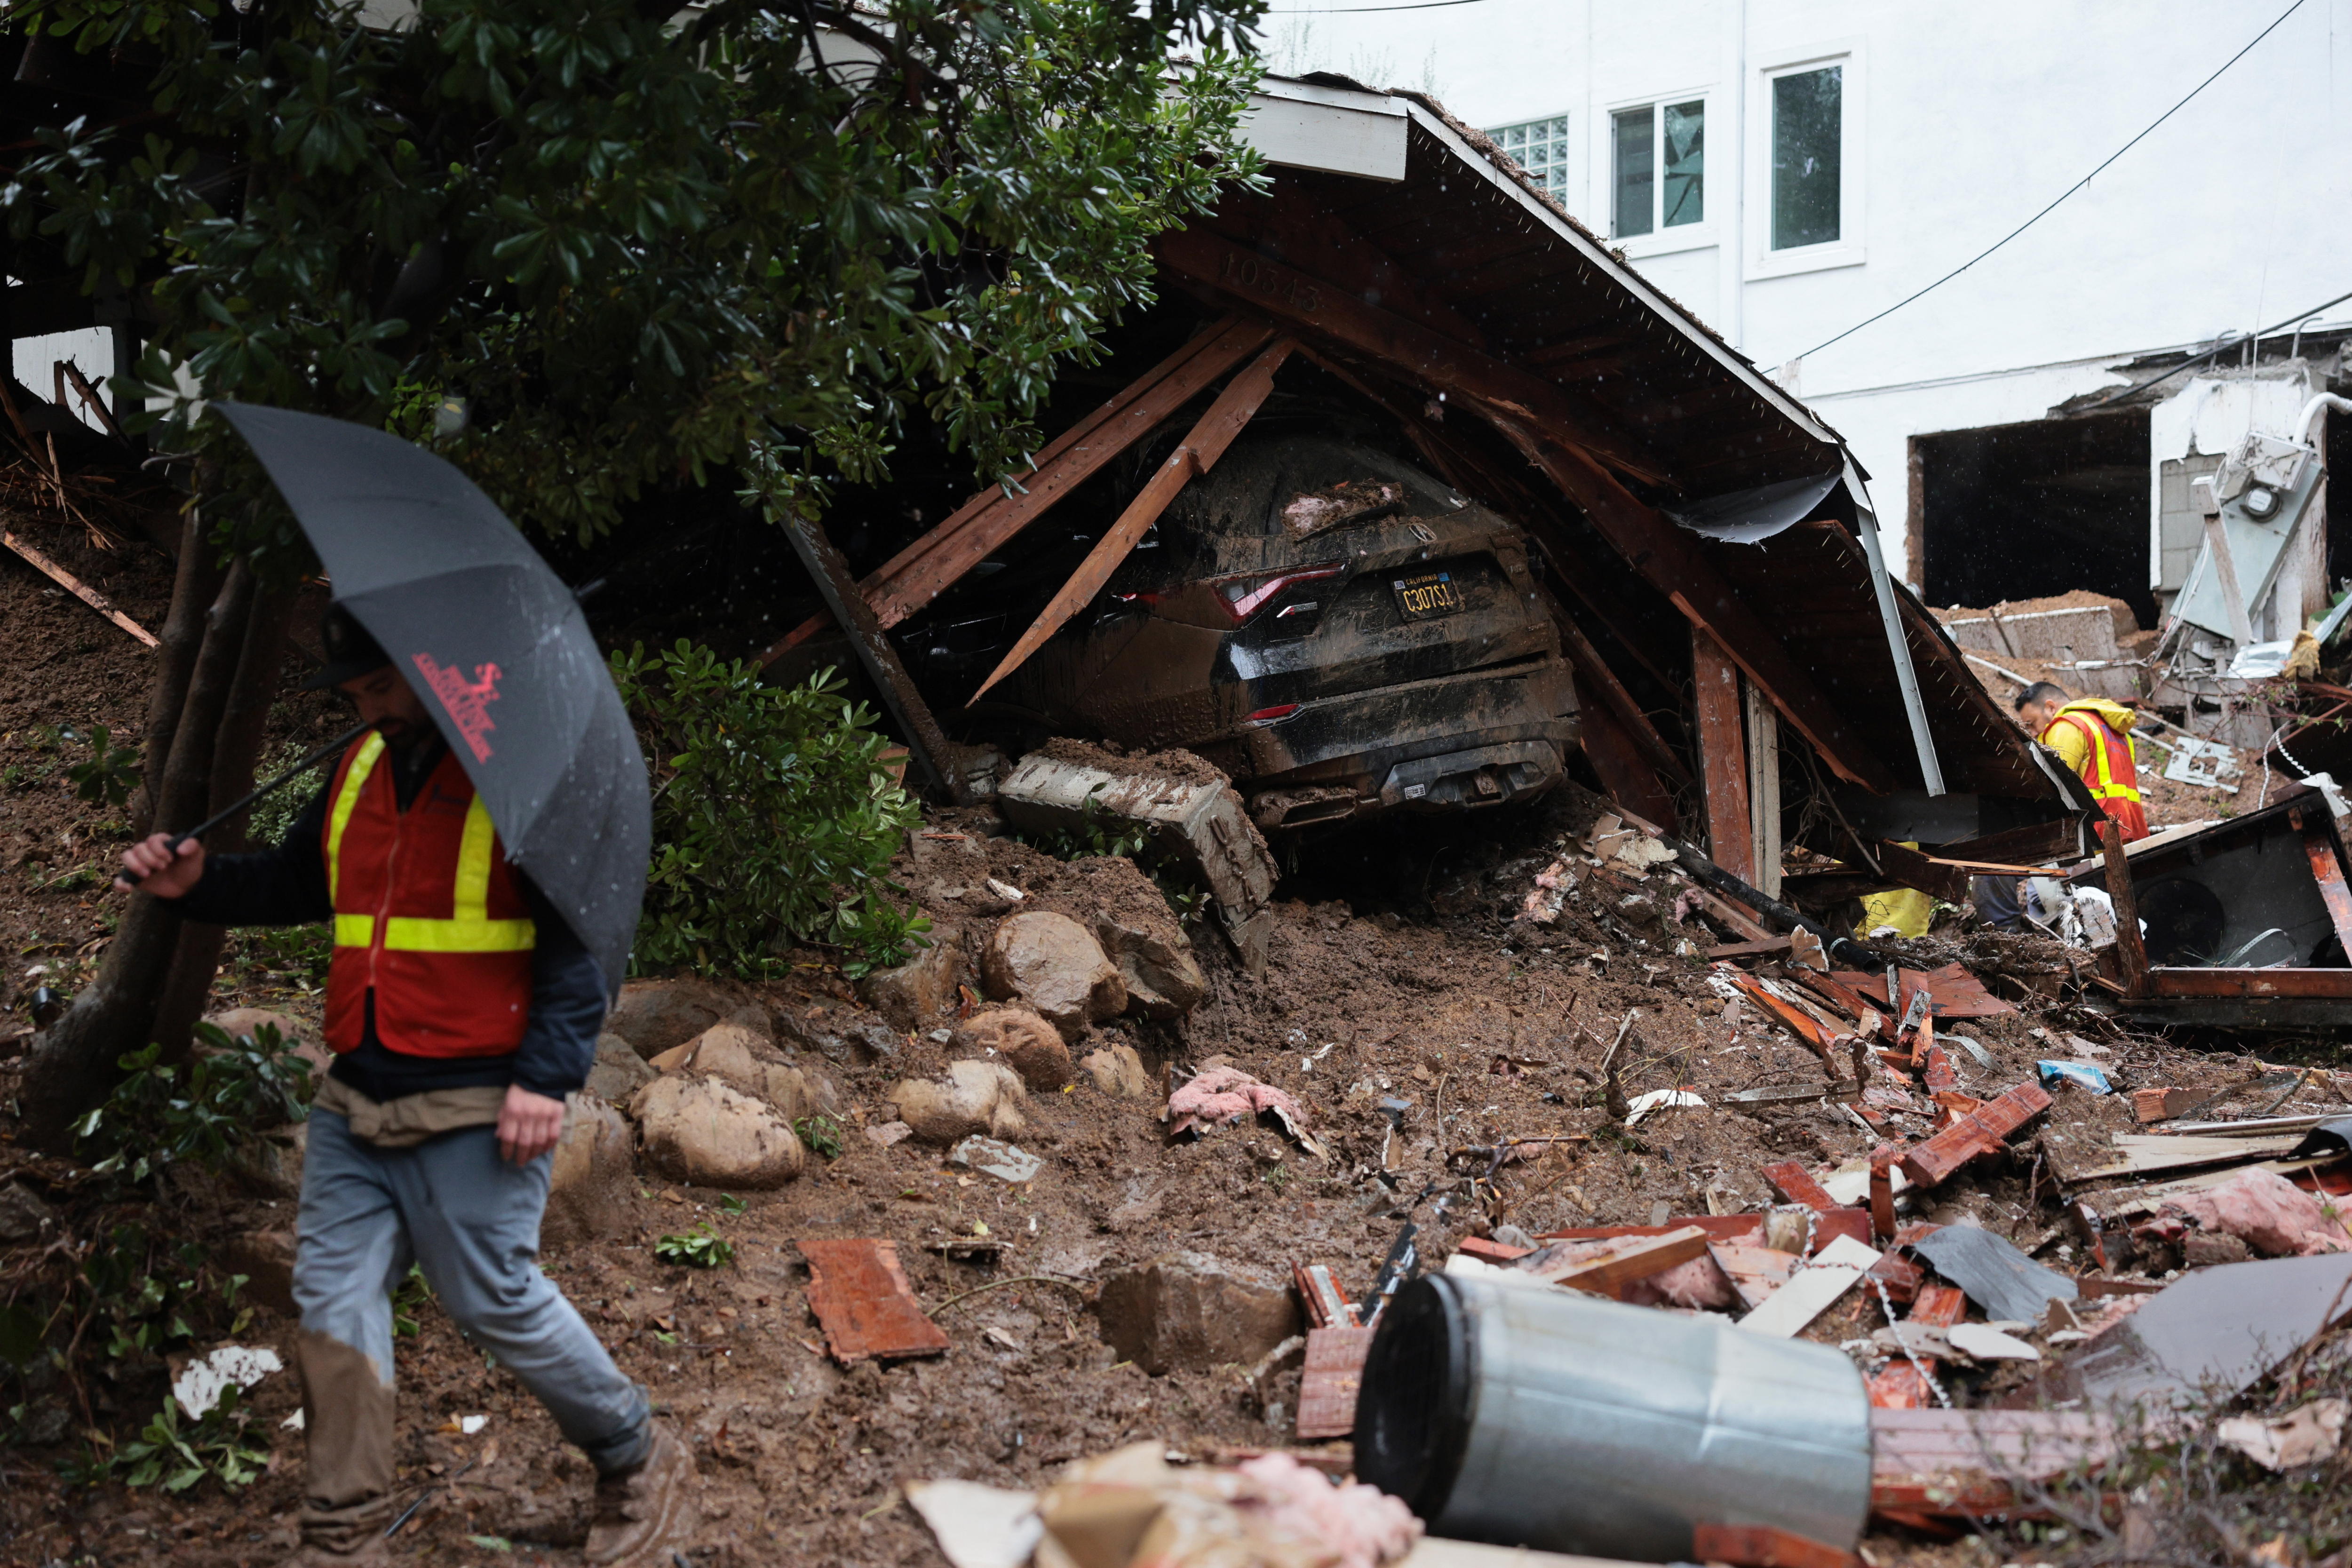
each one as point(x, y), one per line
point(1429, 595)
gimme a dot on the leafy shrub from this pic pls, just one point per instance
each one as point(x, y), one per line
point(175, 1452)
point(273, 815)
point(774, 818)
point(213, 1110)
point(109, 775)
point(697, 1248)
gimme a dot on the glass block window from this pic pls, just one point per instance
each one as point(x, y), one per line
point(1541, 147)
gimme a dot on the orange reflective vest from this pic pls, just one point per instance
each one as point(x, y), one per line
point(2108, 769)
point(428, 915)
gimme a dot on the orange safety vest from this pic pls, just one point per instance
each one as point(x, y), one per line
point(428, 915)
point(2108, 769)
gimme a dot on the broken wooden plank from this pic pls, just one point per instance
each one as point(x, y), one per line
point(1764, 1546)
point(1843, 1091)
point(1945, 878)
point(1609, 1276)
point(1755, 1273)
point(2327, 870)
point(1328, 1388)
point(1745, 1229)
point(1770, 947)
point(2130, 950)
point(1797, 1185)
point(1813, 1290)
point(76, 587)
point(860, 1295)
point(1728, 915)
point(1723, 757)
point(1900, 1386)
point(2144, 1153)
point(1193, 456)
point(921, 571)
point(1981, 1131)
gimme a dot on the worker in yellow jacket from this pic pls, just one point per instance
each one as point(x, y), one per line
point(2093, 736)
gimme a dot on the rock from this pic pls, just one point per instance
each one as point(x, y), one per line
point(1162, 981)
point(619, 1072)
point(842, 1034)
point(1188, 1311)
point(2202, 1249)
point(970, 1097)
point(1054, 964)
point(239, 1022)
point(918, 991)
point(1005, 1162)
point(886, 1134)
point(700, 1132)
point(265, 1257)
point(1118, 1072)
point(1024, 1039)
point(595, 1171)
point(655, 1014)
point(23, 1218)
point(272, 1164)
point(731, 1053)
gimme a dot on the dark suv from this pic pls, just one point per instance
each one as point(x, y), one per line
point(1339, 631)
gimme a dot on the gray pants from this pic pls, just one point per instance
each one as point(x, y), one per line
point(470, 1220)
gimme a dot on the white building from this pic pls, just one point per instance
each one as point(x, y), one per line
point(1787, 169)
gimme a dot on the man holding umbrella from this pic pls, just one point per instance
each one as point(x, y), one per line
point(462, 1002)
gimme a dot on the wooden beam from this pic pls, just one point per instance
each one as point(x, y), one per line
point(2327, 870)
point(76, 587)
point(1763, 786)
point(1562, 440)
point(925, 569)
point(2129, 948)
point(1722, 758)
point(1617, 758)
point(1233, 408)
point(926, 743)
point(1592, 668)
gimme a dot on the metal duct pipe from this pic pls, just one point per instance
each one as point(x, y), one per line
point(1532, 1417)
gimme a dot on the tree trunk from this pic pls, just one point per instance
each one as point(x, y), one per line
point(71, 1067)
point(237, 748)
point(194, 588)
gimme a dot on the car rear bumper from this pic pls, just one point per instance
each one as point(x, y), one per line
point(1479, 738)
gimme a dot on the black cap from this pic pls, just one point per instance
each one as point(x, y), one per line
point(352, 652)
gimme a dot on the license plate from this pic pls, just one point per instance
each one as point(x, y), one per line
point(1429, 595)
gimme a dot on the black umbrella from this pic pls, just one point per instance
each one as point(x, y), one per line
point(493, 642)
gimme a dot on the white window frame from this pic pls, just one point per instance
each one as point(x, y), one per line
point(1604, 143)
point(1849, 248)
point(1566, 194)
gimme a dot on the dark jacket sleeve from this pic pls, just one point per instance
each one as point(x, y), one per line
point(567, 1004)
point(284, 886)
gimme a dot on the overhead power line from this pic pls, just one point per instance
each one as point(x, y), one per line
point(2218, 350)
point(2069, 191)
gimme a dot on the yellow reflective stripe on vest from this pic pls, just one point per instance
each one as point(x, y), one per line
point(470, 927)
point(2104, 786)
point(347, 800)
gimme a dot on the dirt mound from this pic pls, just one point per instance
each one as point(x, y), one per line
point(1178, 766)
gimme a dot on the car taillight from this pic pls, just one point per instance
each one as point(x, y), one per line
point(1270, 715)
point(1246, 596)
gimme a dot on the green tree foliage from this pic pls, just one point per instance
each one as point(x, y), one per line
point(640, 245)
point(774, 817)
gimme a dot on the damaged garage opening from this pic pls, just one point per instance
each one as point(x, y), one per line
point(2034, 509)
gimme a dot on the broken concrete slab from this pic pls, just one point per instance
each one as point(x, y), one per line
point(859, 1293)
point(1202, 826)
point(1190, 1310)
point(992, 1157)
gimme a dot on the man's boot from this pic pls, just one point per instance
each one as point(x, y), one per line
point(347, 1477)
point(645, 1507)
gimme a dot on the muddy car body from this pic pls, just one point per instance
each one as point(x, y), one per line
point(1341, 632)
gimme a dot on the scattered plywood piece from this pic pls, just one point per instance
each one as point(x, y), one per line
point(1797, 1186)
point(1956, 994)
point(860, 1295)
point(1326, 1390)
point(1903, 1387)
point(2143, 1154)
point(1813, 1290)
point(1981, 1131)
point(1638, 1259)
point(1755, 1273)
point(977, 1526)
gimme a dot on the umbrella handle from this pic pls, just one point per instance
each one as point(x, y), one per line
point(288, 776)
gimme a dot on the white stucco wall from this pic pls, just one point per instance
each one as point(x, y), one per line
point(1965, 117)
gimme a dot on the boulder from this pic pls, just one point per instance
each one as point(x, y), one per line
point(655, 1014)
point(914, 992)
point(1025, 1041)
point(702, 1133)
point(265, 1257)
point(1118, 1072)
point(1188, 1311)
point(618, 1072)
point(1052, 963)
point(730, 1052)
point(304, 1039)
point(594, 1173)
point(970, 1097)
point(1163, 980)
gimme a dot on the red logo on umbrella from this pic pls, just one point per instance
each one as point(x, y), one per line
point(469, 701)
